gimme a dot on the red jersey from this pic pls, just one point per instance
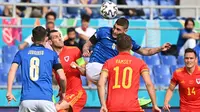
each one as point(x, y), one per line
point(189, 89)
point(123, 82)
point(67, 56)
point(75, 94)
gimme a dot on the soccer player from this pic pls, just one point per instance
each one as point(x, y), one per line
point(123, 75)
point(104, 42)
point(188, 80)
point(75, 94)
point(37, 63)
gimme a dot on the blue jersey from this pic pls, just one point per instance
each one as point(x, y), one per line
point(105, 48)
point(181, 41)
point(36, 66)
point(197, 49)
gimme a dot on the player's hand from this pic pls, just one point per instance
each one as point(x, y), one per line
point(86, 53)
point(103, 109)
point(166, 46)
point(74, 65)
point(10, 97)
point(166, 107)
point(156, 109)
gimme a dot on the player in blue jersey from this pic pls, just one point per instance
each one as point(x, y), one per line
point(36, 65)
point(104, 48)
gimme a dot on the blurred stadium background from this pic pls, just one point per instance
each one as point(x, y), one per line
point(155, 22)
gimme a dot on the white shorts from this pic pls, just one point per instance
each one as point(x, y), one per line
point(93, 71)
point(37, 106)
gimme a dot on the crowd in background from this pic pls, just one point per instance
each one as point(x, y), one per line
point(27, 11)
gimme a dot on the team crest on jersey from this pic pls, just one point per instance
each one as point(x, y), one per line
point(198, 80)
point(66, 58)
point(114, 46)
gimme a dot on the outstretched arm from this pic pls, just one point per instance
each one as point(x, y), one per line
point(152, 51)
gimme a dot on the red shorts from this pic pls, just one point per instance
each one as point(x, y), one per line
point(77, 100)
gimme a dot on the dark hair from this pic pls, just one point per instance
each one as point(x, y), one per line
point(124, 42)
point(187, 21)
point(189, 50)
point(39, 33)
point(71, 29)
point(52, 14)
point(123, 22)
point(52, 31)
point(85, 17)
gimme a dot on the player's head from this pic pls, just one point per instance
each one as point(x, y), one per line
point(39, 35)
point(50, 25)
point(50, 17)
point(55, 39)
point(71, 33)
point(189, 24)
point(120, 26)
point(124, 42)
point(190, 58)
point(85, 19)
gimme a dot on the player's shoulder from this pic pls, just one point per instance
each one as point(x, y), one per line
point(104, 29)
point(111, 60)
point(49, 51)
point(179, 70)
point(198, 69)
point(71, 48)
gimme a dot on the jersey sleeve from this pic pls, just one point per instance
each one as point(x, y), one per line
point(135, 46)
point(105, 67)
point(144, 67)
point(17, 58)
point(29, 40)
point(99, 33)
point(174, 79)
point(56, 59)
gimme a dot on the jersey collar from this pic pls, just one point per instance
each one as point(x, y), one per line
point(124, 53)
point(38, 45)
point(195, 70)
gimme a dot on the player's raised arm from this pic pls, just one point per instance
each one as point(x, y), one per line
point(152, 51)
point(150, 89)
point(89, 43)
point(101, 89)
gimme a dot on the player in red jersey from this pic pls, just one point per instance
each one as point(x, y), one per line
point(123, 75)
point(188, 79)
point(75, 94)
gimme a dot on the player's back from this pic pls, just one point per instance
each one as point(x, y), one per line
point(123, 82)
point(36, 64)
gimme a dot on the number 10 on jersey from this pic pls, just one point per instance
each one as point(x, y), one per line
point(34, 68)
point(127, 72)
